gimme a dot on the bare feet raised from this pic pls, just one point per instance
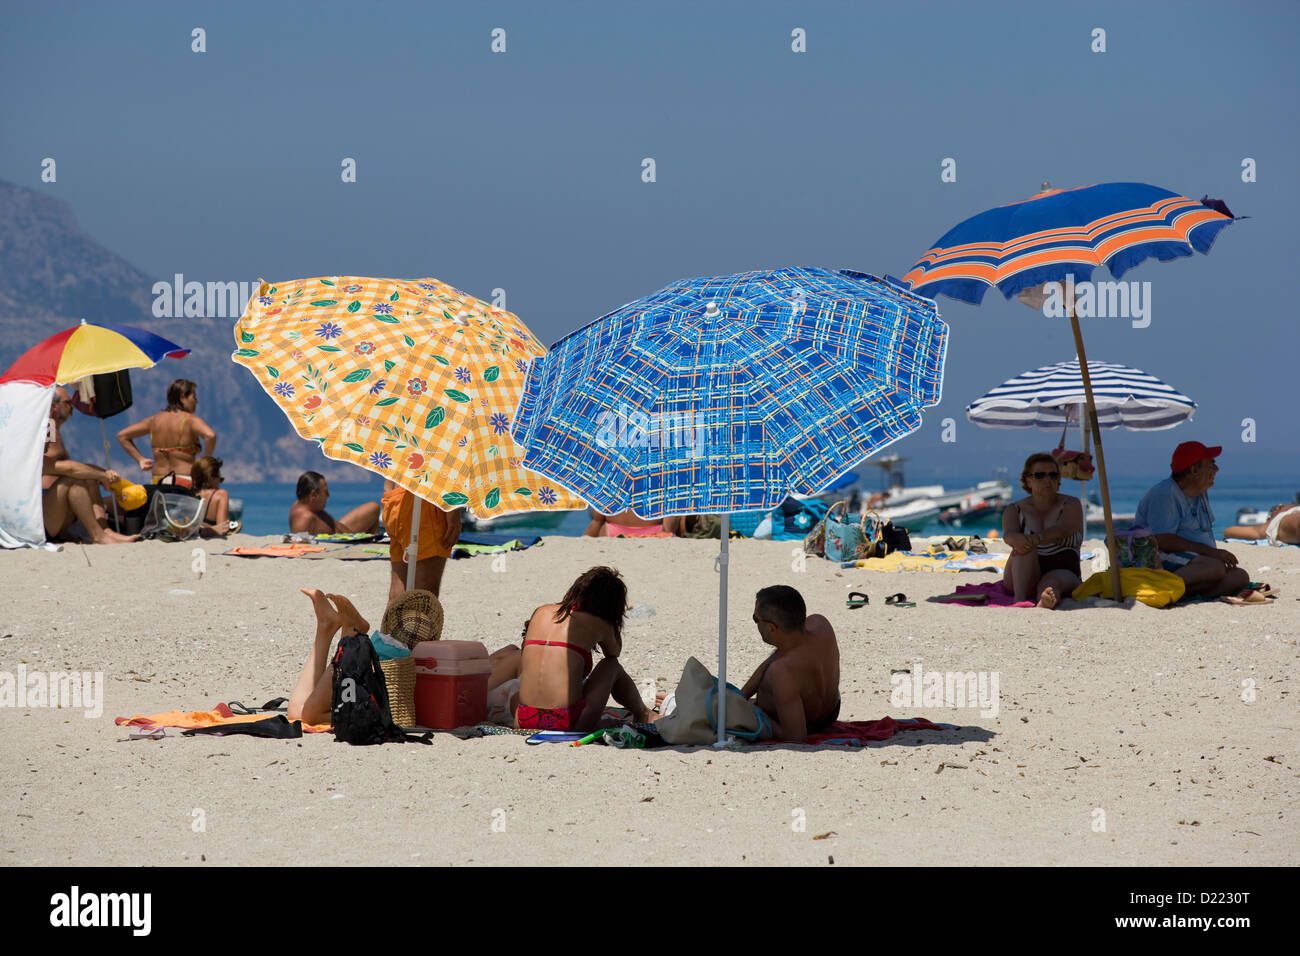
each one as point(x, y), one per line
point(327, 616)
point(350, 616)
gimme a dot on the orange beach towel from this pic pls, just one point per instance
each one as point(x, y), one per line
point(204, 718)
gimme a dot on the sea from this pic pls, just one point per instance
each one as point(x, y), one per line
point(266, 504)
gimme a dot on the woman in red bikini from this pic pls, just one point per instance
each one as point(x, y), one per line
point(559, 686)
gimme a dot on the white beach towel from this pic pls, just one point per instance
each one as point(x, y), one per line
point(24, 411)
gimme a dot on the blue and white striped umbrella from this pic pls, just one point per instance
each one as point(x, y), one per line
point(1053, 395)
point(729, 393)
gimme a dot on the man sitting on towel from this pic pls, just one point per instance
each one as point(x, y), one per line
point(1177, 510)
point(798, 687)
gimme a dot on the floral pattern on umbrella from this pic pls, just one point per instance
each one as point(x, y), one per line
point(411, 379)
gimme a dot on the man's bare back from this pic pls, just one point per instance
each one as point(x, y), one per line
point(798, 686)
point(302, 518)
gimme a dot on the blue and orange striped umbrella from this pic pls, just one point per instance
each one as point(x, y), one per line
point(1058, 233)
point(87, 349)
point(1065, 231)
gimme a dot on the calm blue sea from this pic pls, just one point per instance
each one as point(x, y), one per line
point(266, 505)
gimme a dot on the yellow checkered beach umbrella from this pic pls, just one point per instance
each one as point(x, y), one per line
point(411, 379)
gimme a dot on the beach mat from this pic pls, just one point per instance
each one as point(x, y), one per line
point(472, 543)
point(219, 716)
point(948, 561)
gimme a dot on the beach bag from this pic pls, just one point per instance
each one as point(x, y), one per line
point(360, 697)
point(173, 517)
point(846, 541)
point(1137, 548)
point(1074, 465)
point(891, 538)
point(695, 719)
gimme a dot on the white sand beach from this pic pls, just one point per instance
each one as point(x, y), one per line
point(1124, 736)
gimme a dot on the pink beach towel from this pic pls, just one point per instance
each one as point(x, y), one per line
point(992, 592)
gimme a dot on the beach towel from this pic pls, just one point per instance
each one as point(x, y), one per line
point(859, 733)
point(274, 551)
point(221, 714)
point(950, 561)
point(470, 544)
point(988, 594)
point(1151, 587)
point(24, 411)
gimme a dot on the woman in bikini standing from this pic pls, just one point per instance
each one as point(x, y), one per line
point(1044, 532)
point(560, 688)
point(174, 434)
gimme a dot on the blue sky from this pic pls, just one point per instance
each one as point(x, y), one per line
point(522, 170)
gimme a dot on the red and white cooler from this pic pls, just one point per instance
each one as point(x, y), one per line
point(451, 679)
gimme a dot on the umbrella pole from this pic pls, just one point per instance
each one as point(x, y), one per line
point(1116, 591)
point(1083, 482)
point(722, 630)
point(117, 523)
point(413, 546)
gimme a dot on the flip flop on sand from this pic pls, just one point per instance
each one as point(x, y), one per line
point(856, 599)
point(1243, 598)
point(899, 600)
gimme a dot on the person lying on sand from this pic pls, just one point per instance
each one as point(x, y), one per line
point(70, 489)
point(1282, 527)
point(313, 696)
point(1177, 510)
point(409, 621)
point(798, 686)
point(627, 524)
point(1044, 531)
point(560, 688)
point(308, 512)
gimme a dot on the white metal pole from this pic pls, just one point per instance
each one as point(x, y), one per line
point(413, 546)
point(722, 630)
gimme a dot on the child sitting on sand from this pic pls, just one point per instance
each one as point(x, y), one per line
point(560, 688)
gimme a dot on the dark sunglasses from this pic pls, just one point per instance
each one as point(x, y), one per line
point(1040, 475)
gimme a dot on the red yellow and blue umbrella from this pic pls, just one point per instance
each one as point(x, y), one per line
point(87, 349)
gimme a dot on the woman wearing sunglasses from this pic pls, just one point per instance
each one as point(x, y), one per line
point(1044, 532)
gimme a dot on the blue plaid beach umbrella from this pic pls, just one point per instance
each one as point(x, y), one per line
point(729, 393)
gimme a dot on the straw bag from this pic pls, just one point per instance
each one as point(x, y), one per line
point(399, 678)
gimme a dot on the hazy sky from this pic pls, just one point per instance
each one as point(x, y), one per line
point(522, 170)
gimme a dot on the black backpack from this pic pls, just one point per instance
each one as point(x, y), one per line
point(360, 699)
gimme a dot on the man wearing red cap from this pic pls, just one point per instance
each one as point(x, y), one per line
point(1177, 511)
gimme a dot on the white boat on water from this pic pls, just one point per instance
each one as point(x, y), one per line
point(916, 506)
